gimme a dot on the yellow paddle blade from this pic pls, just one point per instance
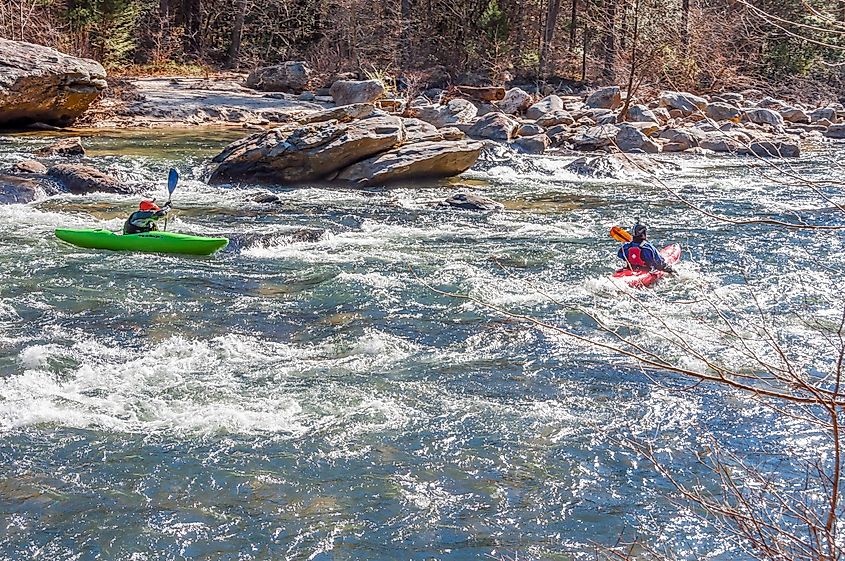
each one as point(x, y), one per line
point(620, 234)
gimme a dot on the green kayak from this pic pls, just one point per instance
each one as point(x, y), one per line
point(155, 242)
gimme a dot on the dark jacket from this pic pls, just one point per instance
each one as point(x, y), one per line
point(143, 221)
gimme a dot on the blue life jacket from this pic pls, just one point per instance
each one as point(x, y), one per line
point(641, 255)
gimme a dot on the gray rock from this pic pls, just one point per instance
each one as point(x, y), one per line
point(494, 126)
point(605, 98)
point(763, 117)
point(421, 160)
point(771, 103)
point(608, 118)
point(419, 131)
point(630, 138)
point(772, 148)
point(684, 102)
point(80, 179)
point(595, 137)
point(40, 84)
point(265, 198)
point(835, 131)
point(719, 111)
point(529, 129)
point(469, 201)
point(297, 154)
point(30, 166)
point(679, 140)
point(307, 96)
point(452, 133)
point(794, 115)
point(65, 147)
point(719, 142)
point(554, 118)
point(548, 104)
point(536, 144)
point(343, 114)
point(17, 190)
point(822, 113)
point(457, 111)
point(516, 101)
point(290, 76)
point(347, 92)
point(641, 113)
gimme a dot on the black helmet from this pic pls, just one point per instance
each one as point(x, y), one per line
point(640, 231)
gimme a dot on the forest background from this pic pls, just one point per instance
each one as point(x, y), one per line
point(794, 49)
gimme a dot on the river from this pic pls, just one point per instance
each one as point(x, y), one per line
point(301, 398)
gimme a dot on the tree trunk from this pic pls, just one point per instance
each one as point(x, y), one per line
point(237, 33)
point(631, 73)
point(685, 26)
point(549, 33)
point(405, 35)
point(573, 24)
point(192, 19)
point(610, 42)
point(585, 34)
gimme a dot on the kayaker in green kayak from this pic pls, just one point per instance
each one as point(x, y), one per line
point(144, 219)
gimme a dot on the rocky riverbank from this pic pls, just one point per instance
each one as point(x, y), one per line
point(353, 132)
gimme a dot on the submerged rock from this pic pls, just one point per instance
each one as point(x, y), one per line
point(30, 166)
point(65, 147)
point(420, 160)
point(40, 84)
point(17, 190)
point(469, 201)
point(80, 179)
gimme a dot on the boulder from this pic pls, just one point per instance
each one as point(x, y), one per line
point(491, 93)
point(763, 117)
point(679, 140)
point(347, 92)
point(641, 113)
point(560, 117)
point(17, 190)
point(457, 111)
point(608, 118)
point(835, 131)
point(648, 128)
point(662, 114)
point(616, 166)
point(794, 115)
point(772, 148)
point(30, 166)
point(732, 97)
point(419, 131)
point(605, 98)
point(516, 100)
point(421, 160)
point(296, 154)
point(719, 111)
point(494, 126)
point(80, 179)
point(40, 84)
point(289, 76)
point(822, 113)
point(343, 114)
point(547, 105)
point(468, 201)
point(719, 142)
point(684, 102)
point(65, 147)
point(536, 144)
point(630, 139)
point(595, 137)
point(529, 129)
point(771, 103)
point(452, 133)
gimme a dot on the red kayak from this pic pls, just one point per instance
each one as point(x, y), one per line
point(639, 278)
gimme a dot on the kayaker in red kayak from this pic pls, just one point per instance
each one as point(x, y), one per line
point(144, 219)
point(640, 255)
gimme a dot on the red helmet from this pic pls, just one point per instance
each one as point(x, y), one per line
point(148, 205)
